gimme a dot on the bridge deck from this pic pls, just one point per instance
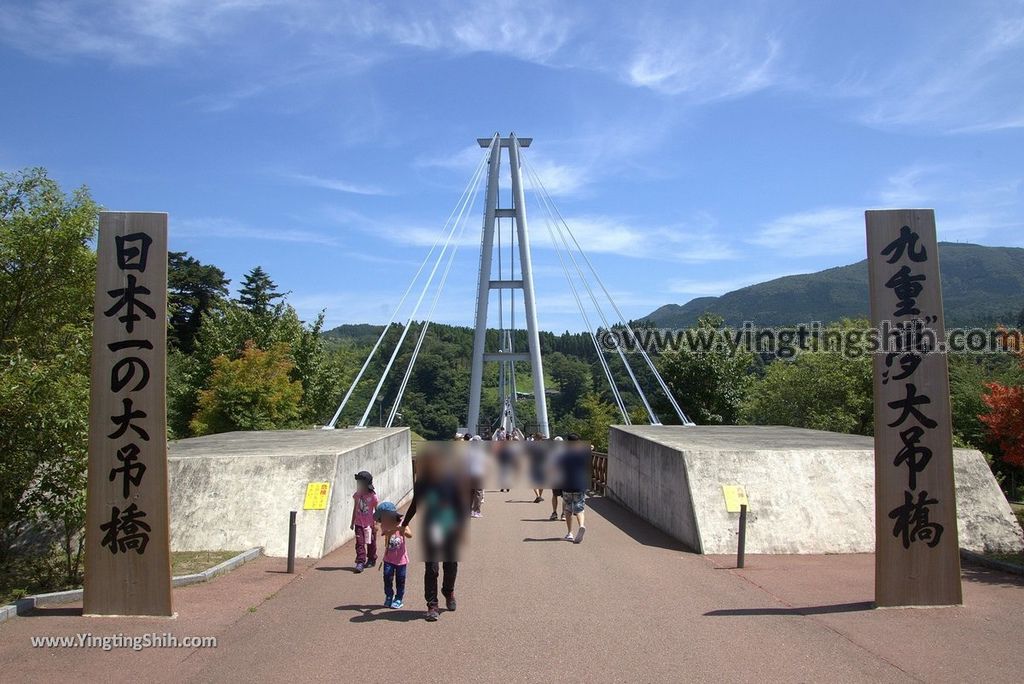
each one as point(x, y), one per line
point(627, 604)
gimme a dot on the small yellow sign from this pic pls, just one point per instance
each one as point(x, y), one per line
point(316, 496)
point(735, 497)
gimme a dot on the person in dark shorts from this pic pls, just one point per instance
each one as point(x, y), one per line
point(573, 467)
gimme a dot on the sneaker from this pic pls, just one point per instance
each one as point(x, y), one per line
point(564, 515)
point(359, 567)
point(397, 603)
point(388, 600)
point(568, 537)
point(370, 563)
point(579, 534)
point(554, 516)
point(449, 601)
point(432, 614)
point(538, 499)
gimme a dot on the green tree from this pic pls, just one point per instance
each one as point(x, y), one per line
point(258, 292)
point(192, 288)
point(228, 327)
point(47, 278)
point(595, 417)
point(709, 382)
point(818, 390)
point(252, 392)
point(574, 378)
point(48, 272)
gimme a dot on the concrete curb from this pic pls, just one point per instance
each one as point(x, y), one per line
point(22, 606)
point(995, 564)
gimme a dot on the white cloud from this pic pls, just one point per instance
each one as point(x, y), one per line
point(216, 227)
point(688, 243)
point(529, 31)
point(705, 61)
point(122, 31)
point(967, 208)
point(705, 57)
point(715, 287)
point(959, 76)
point(909, 187)
point(465, 159)
point(335, 184)
point(816, 232)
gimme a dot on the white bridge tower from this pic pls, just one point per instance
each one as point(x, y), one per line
point(505, 355)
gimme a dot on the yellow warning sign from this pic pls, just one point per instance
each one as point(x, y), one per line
point(316, 496)
point(735, 497)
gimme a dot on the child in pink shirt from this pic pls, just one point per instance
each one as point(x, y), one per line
point(363, 506)
point(396, 558)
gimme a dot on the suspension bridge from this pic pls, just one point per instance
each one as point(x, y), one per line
point(506, 268)
point(654, 593)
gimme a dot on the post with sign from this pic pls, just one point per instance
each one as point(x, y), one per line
point(736, 502)
point(127, 536)
point(917, 554)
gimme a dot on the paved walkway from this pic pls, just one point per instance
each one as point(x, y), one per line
point(628, 604)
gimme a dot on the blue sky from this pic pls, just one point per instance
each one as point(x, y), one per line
point(693, 148)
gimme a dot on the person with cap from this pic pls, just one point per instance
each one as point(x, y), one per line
point(396, 557)
point(364, 505)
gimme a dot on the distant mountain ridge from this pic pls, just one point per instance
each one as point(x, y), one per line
point(980, 286)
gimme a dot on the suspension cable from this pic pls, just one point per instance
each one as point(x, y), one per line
point(684, 419)
point(401, 302)
point(419, 301)
point(586, 320)
point(430, 316)
point(600, 312)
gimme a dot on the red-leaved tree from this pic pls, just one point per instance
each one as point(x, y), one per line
point(1005, 418)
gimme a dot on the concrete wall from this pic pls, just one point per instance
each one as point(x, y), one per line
point(809, 491)
point(650, 479)
point(235, 490)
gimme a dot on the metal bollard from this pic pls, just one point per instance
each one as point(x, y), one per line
point(291, 542)
point(743, 536)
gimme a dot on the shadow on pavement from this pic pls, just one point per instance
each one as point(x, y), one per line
point(540, 520)
point(637, 528)
point(985, 575)
point(42, 611)
point(542, 539)
point(375, 611)
point(520, 501)
point(333, 568)
point(810, 610)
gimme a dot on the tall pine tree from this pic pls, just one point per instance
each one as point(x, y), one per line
point(258, 292)
point(192, 288)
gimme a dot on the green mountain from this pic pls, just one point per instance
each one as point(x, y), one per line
point(980, 286)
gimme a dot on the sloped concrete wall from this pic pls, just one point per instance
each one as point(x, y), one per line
point(235, 490)
point(650, 479)
point(809, 491)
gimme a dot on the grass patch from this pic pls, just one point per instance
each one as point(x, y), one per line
point(1015, 558)
point(1018, 510)
point(191, 562)
point(27, 576)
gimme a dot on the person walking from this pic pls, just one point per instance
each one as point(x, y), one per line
point(396, 557)
point(573, 466)
point(363, 506)
point(440, 491)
